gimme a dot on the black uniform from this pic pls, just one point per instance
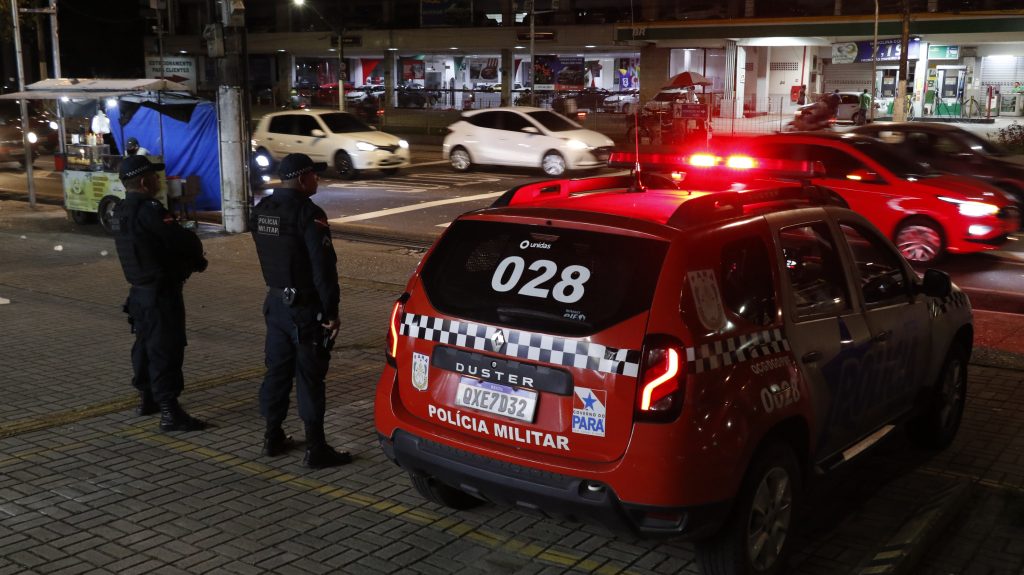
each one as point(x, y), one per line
point(294, 245)
point(157, 256)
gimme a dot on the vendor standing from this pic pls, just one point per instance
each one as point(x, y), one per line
point(132, 148)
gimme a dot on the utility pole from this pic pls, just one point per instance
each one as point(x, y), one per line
point(55, 46)
point(874, 69)
point(29, 156)
point(899, 110)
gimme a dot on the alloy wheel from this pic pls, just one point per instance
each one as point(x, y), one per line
point(770, 518)
point(919, 243)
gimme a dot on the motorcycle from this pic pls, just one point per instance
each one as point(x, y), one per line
point(810, 118)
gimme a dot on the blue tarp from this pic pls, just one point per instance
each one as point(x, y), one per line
point(189, 147)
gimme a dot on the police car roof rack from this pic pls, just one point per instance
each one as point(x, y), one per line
point(547, 190)
point(717, 206)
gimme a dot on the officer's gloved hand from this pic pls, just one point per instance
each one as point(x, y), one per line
point(202, 264)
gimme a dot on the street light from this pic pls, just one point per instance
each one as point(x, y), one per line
point(341, 51)
point(533, 64)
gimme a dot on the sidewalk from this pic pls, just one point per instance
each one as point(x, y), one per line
point(85, 486)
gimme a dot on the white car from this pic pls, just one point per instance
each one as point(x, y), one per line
point(624, 102)
point(524, 136)
point(361, 93)
point(849, 107)
point(338, 138)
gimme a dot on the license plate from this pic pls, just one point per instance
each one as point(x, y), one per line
point(497, 399)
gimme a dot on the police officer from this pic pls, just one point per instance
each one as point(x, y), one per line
point(157, 256)
point(301, 308)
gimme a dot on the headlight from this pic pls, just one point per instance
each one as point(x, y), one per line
point(972, 209)
point(262, 161)
point(365, 146)
point(32, 137)
point(403, 144)
point(53, 125)
point(576, 145)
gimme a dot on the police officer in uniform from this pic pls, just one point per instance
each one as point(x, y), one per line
point(301, 308)
point(157, 256)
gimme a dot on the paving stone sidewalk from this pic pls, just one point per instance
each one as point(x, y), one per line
point(87, 487)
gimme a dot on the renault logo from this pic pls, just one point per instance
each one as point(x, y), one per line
point(498, 340)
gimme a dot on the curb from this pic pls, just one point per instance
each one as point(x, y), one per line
point(905, 549)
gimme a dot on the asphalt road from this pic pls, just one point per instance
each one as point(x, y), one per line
point(415, 205)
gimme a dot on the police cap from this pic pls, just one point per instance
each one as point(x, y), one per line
point(294, 165)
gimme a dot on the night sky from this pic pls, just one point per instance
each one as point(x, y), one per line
point(101, 38)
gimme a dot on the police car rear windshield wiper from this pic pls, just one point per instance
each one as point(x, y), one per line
point(507, 313)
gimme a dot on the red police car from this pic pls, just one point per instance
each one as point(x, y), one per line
point(925, 212)
point(665, 353)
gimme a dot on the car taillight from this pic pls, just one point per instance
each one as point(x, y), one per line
point(662, 377)
point(394, 328)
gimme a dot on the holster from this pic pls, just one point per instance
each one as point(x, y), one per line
point(127, 310)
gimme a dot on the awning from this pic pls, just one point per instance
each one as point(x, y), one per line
point(54, 88)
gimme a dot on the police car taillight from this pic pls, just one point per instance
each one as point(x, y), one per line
point(660, 389)
point(394, 327)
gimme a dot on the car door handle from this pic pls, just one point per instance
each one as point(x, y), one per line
point(882, 335)
point(811, 356)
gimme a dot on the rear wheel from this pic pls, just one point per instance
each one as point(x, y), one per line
point(756, 539)
point(460, 160)
point(859, 118)
point(920, 240)
point(105, 212)
point(553, 164)
point(343, 165)
point(437, 492)
point(939, 421)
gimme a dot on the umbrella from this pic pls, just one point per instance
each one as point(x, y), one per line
point(687, 79)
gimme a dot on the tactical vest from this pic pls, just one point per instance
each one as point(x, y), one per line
point(277, 231)
point(137, 248)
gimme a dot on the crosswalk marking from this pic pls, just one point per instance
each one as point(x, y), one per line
point(412, 208)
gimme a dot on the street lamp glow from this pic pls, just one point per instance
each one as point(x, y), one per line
point(299, 2)
point(111, 102)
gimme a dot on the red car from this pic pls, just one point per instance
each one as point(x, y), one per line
point(665, 354)
point(926, 213)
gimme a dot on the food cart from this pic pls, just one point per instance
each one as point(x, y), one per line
point(89, 169)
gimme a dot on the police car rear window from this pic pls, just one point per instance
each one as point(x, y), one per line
point(556, 280)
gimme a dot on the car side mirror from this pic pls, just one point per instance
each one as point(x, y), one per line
point(862, 175)
point(936, 283)
point(317, 133)
point(530, 130)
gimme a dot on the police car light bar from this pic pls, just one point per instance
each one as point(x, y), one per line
point(712, 163)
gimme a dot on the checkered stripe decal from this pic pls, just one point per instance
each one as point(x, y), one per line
point(523, 344)
point(733, 350)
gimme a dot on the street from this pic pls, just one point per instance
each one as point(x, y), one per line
point(415, 205)
point(87, 486)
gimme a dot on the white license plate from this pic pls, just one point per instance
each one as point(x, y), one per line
point(497, 399)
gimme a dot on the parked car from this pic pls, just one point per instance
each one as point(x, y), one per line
point(665, 361)
point(925, 212)
point(849, 108)
point(624, 101)
point(339, 138)
point(953, 149)
point(416, 96)
point(663, 100)
point(524, 136)
point(363, 92)
point(586, 99)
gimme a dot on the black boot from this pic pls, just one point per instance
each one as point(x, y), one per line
point(147, 405)
point(319, 455)
point(174, 418)
point(275, 442)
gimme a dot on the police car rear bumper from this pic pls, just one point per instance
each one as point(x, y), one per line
point(548, 494)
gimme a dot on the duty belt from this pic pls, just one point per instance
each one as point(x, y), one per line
point(292, 296)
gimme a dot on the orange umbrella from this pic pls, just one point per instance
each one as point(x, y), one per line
point(687, 79)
